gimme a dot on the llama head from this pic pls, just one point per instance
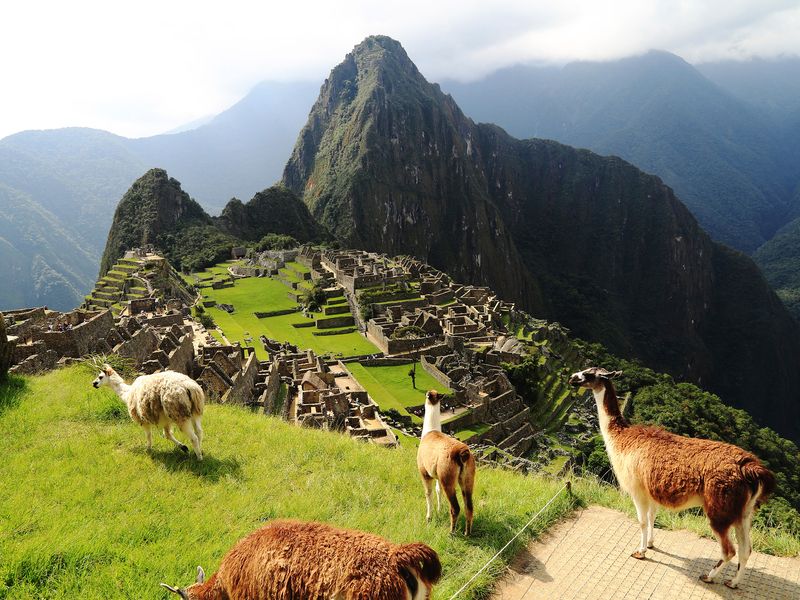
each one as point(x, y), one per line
point(103, 376)
point(592, 377)
point(432, 398)
point(186, 593)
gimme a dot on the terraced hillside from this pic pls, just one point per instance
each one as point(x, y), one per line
point(136, 278)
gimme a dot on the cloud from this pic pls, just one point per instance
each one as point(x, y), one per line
point(145, 67)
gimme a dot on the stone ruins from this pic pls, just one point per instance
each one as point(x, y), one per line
point(414, 314)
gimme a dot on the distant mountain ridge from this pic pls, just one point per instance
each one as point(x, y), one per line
point(389, 163)
point(723, 155)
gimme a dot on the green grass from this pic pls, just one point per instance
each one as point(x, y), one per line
point(265, 294)
point(391, 387)
point(87, 513)
point(465, 434)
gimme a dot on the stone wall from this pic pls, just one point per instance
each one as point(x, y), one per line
point(79, 340)
point(243, 383)
point(435, 373)
point(273, 387)
point(37, 363)
point(140, 345)
point(6, 349)
point(181, 359)
point(335, 322)
point(167, 320)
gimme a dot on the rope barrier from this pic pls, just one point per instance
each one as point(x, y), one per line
point(566, 486)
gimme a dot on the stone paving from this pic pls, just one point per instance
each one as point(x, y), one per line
point(588, 556)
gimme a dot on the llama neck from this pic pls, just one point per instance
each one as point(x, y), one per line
point(608, 412)
point(120, 387)
point(433, 419)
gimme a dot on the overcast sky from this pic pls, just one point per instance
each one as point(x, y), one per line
point(145, 67)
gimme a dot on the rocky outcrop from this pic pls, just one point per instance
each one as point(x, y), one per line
point(389, 163)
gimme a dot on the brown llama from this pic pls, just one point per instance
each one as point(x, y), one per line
point(289, 559)
point(659, 468)
point(445, 460)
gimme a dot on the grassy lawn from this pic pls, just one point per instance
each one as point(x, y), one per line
point(391, 387)
point(87, 513)
point(473, 430)
point(264, 294)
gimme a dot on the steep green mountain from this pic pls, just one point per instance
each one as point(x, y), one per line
point(156, 211)
point(76, 176)
point(388, 162)
point(42, 263)
point(153, 211)
point(723, 156)
point(274, 210)
point(779, 259)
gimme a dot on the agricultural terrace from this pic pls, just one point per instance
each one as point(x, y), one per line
point(264, 294)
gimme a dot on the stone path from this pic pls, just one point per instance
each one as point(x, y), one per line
point(588, 556)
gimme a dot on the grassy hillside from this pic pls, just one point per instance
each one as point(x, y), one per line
point(87, 513)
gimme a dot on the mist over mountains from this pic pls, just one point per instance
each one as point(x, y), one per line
point(717, 134)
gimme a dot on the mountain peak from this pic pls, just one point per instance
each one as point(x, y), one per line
point(154, 206)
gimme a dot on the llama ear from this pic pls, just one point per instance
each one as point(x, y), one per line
point(610, 374)
point(178, 591)
point(201, 575)
point(107, 369)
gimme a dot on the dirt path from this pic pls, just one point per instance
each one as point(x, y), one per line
point(588, 556)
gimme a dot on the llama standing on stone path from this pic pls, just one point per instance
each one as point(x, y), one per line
point(288, 560)
point(160, 400)
point(658, 468)
point(445, 460)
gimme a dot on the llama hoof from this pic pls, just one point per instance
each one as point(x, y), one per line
point(706, 579)
point(184, 448)
point(651, 545)
point(731, 585)
point(638, 555)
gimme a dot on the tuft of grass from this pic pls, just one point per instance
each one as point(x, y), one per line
point(87, 512)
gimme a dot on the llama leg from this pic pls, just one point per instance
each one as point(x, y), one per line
point(428, 483)
point(170, 437)
point(467, 510)
point(452, 498)
point(651, 522)
point(448, 483)
point(727, 552)
point(745, 548)
point(642, 508)
point(149, 435)
point(188, 429)
point(438, 497)
point(198, 429)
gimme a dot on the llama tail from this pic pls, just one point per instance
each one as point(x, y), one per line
point(461, 456)
point(197, 398)
point(420, 558)
point(760, 478)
